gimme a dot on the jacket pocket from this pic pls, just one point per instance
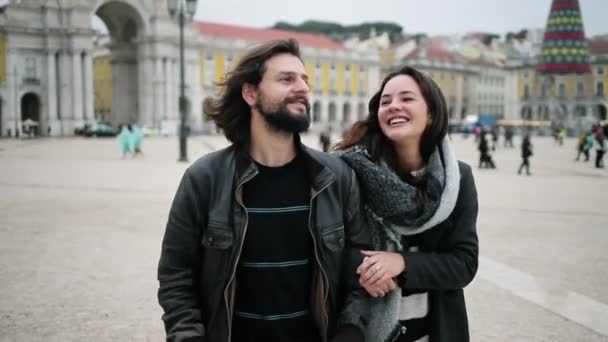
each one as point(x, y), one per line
point(333, 237)
point(217, 236)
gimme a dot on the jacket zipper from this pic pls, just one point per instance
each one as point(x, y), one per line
point(323, 273)
point(239, 199)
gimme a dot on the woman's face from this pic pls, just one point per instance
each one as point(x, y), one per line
point(403, 113)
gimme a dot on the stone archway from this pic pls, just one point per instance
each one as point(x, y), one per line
point(361, 112)
point(331, 113)
point(126, 28)
point(30, 111)
point(526, 113)
point(316, 112)
point(601, 112)
point(346, 113)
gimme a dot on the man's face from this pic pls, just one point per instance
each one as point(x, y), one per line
point(282, 95)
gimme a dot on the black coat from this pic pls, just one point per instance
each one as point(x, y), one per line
point(446, 262)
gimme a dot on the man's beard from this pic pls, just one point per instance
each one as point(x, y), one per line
point(279, 118)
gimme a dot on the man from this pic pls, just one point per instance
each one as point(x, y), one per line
point(263, 237)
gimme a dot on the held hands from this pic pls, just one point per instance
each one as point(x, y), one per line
point(377, 271)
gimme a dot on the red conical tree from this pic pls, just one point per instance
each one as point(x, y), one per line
point(565, 49)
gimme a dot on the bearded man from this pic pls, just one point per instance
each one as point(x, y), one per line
point(264, 237)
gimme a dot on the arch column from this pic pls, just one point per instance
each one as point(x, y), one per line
point(76, 89)
point(89, 96)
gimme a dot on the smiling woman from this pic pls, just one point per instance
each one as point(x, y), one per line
point(420, 205)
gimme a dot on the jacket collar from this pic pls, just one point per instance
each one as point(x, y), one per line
point(320, 174)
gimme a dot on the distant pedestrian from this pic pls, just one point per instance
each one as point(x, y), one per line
point(494, 134)
point(588, 145)
point(485, 159)
point(526, 153)
point(580, 145)
point(600, 149)
point(124, 140)
point(509, 137)
point(136, 139)
point(560, 136)
point(325, 139)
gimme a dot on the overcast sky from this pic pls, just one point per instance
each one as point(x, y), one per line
point(429, 16)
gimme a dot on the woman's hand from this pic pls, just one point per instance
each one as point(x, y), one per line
point(377, 271)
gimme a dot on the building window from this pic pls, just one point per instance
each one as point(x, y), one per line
point(600, 89)
point(600, 70)
point(580, 89)
point(562, 90)
point(30, 68)
point(526, 91)
point(209, 55)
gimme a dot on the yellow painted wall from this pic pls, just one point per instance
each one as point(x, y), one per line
point(340, 78)
point(570, 81)
point(102, 82)
point(447, 89)
point(354, 79)
point(520, 84)
point(220, 69)
point(367, 81)
point(309, 65)
point(2, 58)
point(325, 78)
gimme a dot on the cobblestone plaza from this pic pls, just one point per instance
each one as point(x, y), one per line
point(80, 235)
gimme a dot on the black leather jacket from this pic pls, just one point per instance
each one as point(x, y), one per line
point(204, 237)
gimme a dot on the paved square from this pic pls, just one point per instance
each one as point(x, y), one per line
point(80, 235)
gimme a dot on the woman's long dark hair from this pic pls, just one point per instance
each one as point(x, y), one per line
point(229, 110)
point(368, 132)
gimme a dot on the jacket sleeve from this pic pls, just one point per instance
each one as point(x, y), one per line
point(355, 311)
point(179, 265)
point(456, 264)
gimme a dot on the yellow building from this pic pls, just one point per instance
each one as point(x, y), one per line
point(341, 80)
point(578, 100)
point(102, 83)
point(469, 87)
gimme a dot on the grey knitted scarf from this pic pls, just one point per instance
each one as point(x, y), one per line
point(390, 207)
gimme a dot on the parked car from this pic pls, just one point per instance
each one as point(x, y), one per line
point(99, 130)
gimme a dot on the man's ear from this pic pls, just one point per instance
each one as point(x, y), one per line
point(250, 94)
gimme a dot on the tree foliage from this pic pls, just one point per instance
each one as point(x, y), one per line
point(342, 32)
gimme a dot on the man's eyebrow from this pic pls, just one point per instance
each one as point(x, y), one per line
point(293, 73)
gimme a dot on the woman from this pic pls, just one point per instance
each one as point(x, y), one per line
point(421, 207)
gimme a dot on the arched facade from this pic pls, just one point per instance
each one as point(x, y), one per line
point(55, 59)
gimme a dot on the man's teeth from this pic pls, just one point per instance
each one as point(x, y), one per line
point(397, 121)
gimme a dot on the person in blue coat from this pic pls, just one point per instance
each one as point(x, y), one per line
point(124, 140)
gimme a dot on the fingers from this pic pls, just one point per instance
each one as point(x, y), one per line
point(374, 274)
point(380, 289)
point(367, 262)
point(370, 253)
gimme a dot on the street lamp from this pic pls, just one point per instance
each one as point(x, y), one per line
point(182, 9)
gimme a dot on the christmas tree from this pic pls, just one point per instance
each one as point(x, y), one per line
point(565, 49)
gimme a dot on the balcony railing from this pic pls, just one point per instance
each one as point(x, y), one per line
point(31, 81)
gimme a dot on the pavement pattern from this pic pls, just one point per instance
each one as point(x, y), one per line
point(81, 229)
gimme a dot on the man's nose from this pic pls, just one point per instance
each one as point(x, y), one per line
point(302, 86)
